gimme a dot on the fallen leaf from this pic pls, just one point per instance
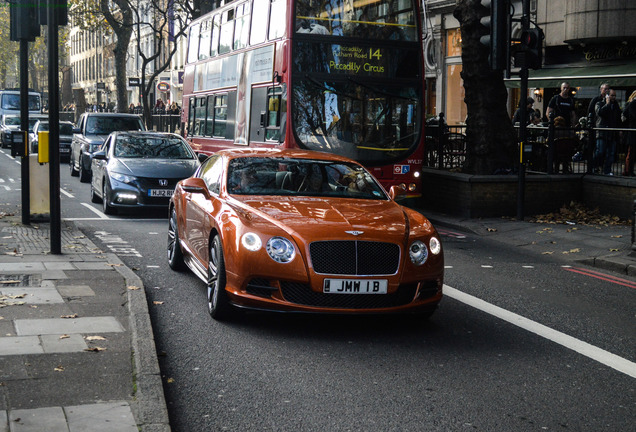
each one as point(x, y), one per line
point(548, 253)
point(92, 338)
point(64, 336)
point(617, 236)
point(157, 302)
point(170, 380)
point(575, 250)
point(69, 316)
point(113, 265)
point(95, 349)
point(491, 229)
point(60, 368)
point(133, 288)
point(614, 250)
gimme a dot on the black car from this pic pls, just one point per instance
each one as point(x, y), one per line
point(140, 169)
point(92, 129)
point(66, 136)
point(7, 124)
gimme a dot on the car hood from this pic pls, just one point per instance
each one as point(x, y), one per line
point(95, 139)
point(325, 218)
point(168, 168)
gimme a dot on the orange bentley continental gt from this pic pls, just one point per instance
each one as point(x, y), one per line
point(300, 231)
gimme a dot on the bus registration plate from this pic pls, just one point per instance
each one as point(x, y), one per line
point(354, 286)
point(160, 192)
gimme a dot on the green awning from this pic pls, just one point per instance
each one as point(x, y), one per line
point(623, 74)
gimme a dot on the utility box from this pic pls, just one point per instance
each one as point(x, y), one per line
point(39, 190)
point(43, 147)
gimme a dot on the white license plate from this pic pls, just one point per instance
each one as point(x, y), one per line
point(160, 192)
point(65, 150)
point(354, 286)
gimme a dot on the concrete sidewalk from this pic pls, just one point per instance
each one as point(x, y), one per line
point(77, 352)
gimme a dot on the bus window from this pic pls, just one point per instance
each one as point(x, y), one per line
point(191, 109)
point(227, 31)
point(199, 117)
point(277, 15)
point(275, 105)
point(216, 29)
point(209, 121)
point(242, 21)
point(259, 26)
point(204, 40)
point(220, 115)
point(193, 47)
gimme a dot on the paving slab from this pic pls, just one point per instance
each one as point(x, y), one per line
point(50, 419)
point(75, 291)
point(105, 324)
point(33, 295)
point(63, 343)
point(102, 417)
point(20, 345)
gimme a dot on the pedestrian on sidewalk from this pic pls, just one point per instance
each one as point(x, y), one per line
point(608, 115)
point(629, 115)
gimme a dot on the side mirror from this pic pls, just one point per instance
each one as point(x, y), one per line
point(76, 130)
point(193, 185)
point(202, 157)
point(100, 155)
point(396, 193)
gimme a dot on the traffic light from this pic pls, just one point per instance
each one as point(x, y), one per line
point(495, 24)
point(531, 48)
point(23, 20)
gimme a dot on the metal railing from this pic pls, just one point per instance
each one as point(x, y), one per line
point(551, 150)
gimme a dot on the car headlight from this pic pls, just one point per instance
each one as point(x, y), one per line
point(280, 249)
point(251, 242)
point(123, 178)
point(435, 245)
point(418, 252)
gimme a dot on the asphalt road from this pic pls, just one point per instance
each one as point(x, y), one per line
point(465, 369)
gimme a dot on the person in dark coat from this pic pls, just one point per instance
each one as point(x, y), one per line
point(608, 115)
point(629, 114)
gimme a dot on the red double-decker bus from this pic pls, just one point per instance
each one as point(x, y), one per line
point(339, 76)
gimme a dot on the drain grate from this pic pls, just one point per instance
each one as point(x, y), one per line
point(9, 280)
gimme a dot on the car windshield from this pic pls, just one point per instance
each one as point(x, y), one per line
point(128, 146)
point(65, 128)
point(12, 121)
point(301, 177)
point(96, 125)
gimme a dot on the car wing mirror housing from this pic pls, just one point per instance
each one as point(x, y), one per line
point(397, 193)
point(100, 155)
point(194, 185)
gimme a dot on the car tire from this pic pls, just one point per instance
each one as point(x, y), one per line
point(84, 176)
point(175, 254)
point(106, 208)
point(219, 305)
point(71, 164)
point(94, 197)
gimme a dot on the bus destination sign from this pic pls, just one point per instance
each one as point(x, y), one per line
point(357, 60)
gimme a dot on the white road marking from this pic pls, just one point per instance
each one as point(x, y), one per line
point(66, 193)
point(605, 357)
point(97, 212)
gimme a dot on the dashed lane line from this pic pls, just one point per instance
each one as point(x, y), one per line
point(605, 357)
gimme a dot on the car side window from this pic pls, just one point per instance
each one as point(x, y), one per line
point(211, 173)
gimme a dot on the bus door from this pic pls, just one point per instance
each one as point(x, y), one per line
point(269, 111)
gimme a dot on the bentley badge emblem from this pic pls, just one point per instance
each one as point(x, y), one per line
point(355, 233)
point(163, 182)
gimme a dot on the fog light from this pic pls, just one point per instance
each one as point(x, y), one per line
point(412, 187)
point(126, 198)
